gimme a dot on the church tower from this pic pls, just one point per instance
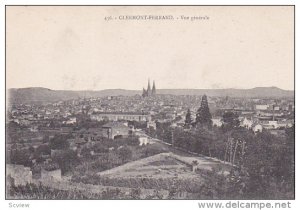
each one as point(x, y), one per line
point(149, 92)
point(153, 88)
point(149, 88)
point(144, 93)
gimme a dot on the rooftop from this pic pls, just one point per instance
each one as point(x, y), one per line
point(122, 113)
point(114, 124)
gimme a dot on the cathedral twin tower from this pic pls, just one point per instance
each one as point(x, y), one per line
point(149, 92)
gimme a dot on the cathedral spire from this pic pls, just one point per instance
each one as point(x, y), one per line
point(149, 88)
point(148, 92)
point(153, 88)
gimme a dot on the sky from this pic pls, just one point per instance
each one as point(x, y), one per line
point(75, 48)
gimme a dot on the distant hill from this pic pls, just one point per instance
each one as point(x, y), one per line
point(39, 94)
point(258, 92)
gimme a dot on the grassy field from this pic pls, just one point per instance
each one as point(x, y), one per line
point(164, 171)
point(163, 166)
point(170, 170)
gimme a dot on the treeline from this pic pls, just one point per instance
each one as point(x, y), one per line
point(263, 165)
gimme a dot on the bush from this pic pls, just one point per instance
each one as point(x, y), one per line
point(33, 191)
point(20, 157)
point(59, 142)
point(132, 141)
point(125, 153)
point(151, 150)
point(67, 160)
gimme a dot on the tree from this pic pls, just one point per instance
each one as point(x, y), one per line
point(182, 139)
point(188, 119)
point(59, 142)
point(125, 153)
point(137, 124)
point(31, 149)
point(43, 149)
point(67, 160)
point(20, 157)
point(231, 120)
point(285, 161)
point(46, 139)
point(100, 148)
point(164, 131)
point(52, 124)
point(132, 140)
point(269, 167)
point(203, 116)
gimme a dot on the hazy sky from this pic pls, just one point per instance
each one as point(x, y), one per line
point(75, 48)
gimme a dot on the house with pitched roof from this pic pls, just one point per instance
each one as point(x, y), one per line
point(115, 129)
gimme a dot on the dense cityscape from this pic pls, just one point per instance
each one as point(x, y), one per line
point(151, 146)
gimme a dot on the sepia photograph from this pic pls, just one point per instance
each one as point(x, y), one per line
point(149, 102)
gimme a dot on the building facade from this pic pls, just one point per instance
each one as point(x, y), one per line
point(115, 116)
point(113, 129)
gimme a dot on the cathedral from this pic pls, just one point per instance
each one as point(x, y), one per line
point(149, 92)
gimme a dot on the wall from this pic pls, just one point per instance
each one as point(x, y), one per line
point(55, 174)
point(19, 173)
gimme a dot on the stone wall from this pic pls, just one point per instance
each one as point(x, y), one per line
point(19, 173)
point(55, 174)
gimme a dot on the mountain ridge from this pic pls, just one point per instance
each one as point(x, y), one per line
point(40, 94)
